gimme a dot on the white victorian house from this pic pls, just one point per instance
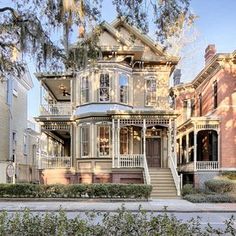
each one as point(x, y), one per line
point(110, 121)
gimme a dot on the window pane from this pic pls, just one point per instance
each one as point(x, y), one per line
point(123, 83)
point(151, 92)
point(85, 141)
point(104, 141)
point(104, 87)
point(124, 140)
point(84, 90)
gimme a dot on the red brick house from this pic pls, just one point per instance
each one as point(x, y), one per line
point(206, 134)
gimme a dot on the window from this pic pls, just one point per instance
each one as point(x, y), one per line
point(123, 85)
point(200, 104)
point(215, 94)
point(84, 90)
point(124, 141)
point(104, 90)
point(84, 141)
point(104, 140)
point(25, 144)
point(151, 95)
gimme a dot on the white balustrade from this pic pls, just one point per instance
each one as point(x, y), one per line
point(131, 160)
point(175, 175)
point(56, 109)
point(207, 165)
point(146, 171)
point(52, 162)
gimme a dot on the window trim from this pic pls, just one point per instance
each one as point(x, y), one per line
point(200, 104)
point(109, 141)
point(146, 92)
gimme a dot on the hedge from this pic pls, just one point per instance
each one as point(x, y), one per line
point(76, 191)
point(188, 189)
point(219, 185)
point(121, 222)
point(213, 198)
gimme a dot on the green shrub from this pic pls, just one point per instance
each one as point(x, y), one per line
point(121, 222)
point(196, 198)
point(219, 185)
point(76, 190)
point(229, 174)
point(188, 189)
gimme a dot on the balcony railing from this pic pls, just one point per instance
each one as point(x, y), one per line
point(63, 109)
point(52, 162)
point(207, 165)
point(131, 160)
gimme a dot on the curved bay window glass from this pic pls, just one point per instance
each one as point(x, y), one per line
point(104, 141)
point(104, 88)
point(124, 141)
point(85, 141)
point(84, 90)
point(123, 86)
point(150, 94)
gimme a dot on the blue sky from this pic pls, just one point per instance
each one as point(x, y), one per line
point(216, 25)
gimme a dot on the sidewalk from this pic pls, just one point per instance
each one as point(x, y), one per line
point(155, 205)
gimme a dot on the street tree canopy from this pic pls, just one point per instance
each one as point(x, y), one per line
point(41, 29)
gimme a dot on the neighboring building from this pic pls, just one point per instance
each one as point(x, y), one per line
point(15, 138)
point(111, 121)
point(206, 137)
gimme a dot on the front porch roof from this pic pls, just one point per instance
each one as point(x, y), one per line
point(117, 110)
point(202, 122)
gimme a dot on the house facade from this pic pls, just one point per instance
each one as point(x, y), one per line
point(110, 121)
point(206, 133)
point(18, 162)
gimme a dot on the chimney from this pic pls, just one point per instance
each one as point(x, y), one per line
point(177, 77)
point(210, 52)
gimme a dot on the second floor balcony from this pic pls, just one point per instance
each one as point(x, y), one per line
point(58, 109)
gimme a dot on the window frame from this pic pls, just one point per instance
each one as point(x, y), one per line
point(126, 88)
point(84, 89)
point(200, 104)
point(126, 142)
point(108, 88)
point(101, 154)
point(84, 142)
point(151, 104)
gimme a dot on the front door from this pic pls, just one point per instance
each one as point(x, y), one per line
point(153, 152)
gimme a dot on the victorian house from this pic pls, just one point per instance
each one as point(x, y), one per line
point(110, 121)
point(206, 133)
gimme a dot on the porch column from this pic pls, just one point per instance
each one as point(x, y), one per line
point(187, 147)
point(195, 148)
point(169, 139)
point(144, 138)
point(113, 143)
point(218, 148)
point(180, 150)
point(174, 143)
point(92, 140)
point(118, 142)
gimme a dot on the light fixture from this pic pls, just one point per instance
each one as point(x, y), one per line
point(153, 128)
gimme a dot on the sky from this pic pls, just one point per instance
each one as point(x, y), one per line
point(216, 24)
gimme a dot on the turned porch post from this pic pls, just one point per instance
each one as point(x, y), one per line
point(195, 148)
point(118, 142)
point(113, 143)
point(144, 138)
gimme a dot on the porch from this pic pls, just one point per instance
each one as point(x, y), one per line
point(198, 145)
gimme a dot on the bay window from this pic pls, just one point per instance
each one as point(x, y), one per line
point(84, 90)
point(123, 86)
point(104, 88)
point(104, 141)
point(150, 95)
point(85, 141)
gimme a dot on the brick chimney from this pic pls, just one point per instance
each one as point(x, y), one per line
point(210, 52)
point(177, 77)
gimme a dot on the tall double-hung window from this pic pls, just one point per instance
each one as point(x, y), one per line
point(104, 88)
point(104, 141)
point(151, 92)
point(215, 88)
point(85, 141)
point(123, 86)
point(84, 89)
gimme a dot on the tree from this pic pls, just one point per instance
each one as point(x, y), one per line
point(32, 27)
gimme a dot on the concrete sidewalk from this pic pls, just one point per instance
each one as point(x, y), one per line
point(157, 205)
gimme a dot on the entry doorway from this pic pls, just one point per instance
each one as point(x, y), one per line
point(153, 152)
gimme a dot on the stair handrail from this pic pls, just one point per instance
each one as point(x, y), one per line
point(146, 171)
point(175, 175)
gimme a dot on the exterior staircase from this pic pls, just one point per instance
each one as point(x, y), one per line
point(162, 182)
